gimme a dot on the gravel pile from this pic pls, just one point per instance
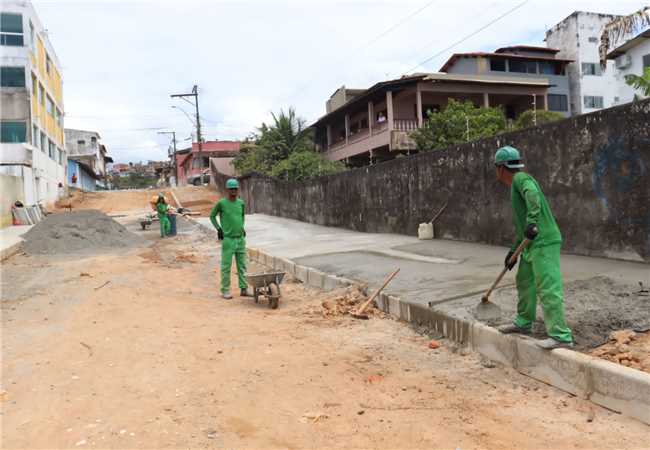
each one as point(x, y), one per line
point(78, 231)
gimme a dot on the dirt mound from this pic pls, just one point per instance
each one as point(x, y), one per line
point(627, 348)
point(77, 231)
point(342, 302)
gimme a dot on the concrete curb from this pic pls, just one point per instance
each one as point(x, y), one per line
point(613, 386)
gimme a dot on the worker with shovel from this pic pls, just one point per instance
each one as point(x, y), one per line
point(539, 273)
point(231, 233)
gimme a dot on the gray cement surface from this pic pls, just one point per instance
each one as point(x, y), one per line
point(451, 276)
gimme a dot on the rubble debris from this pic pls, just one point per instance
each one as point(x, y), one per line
point(627, 348)
point(77, 231)
point(345, 301)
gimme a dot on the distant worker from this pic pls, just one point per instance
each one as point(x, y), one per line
point(231, 233)
point(163, 215)
point(539, 273)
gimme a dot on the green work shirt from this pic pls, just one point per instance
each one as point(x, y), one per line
point(162, 209)
point(231, 216)
point(530, 206)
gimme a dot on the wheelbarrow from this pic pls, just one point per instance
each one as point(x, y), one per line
point(266, 285)
point(148, 220)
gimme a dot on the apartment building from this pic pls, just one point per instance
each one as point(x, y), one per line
point(32, 140)
point(363, 126)
point(631, 57)
point(577, 38)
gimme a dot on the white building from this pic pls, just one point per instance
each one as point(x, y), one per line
point(630, 58)
point(32, 156)
point(578, 37)
point(85, 147)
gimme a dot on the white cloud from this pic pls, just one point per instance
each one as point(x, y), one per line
point(122, 59)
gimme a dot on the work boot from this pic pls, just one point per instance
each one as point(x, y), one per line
point(550, 344)
point(244, 293)
point(226, 296)
point(512, 328)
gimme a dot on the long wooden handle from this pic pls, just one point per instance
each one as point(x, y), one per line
point(376, 293)
point(513, 258)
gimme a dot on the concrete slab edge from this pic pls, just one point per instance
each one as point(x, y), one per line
point(613, 386)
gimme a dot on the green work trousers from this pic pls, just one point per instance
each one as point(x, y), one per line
point(230, 247)
point(539, 276)
point(165, 225)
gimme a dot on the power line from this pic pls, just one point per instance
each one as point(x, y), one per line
point(364, 46)
point(472, 34)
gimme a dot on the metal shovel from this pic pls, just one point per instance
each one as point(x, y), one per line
point(486, 310)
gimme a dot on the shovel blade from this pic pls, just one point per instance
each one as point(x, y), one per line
point(487, 310)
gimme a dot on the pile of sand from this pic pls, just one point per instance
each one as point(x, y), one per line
point(77, 231)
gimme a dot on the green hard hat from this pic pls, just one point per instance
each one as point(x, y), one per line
point(232, 184)
point(509, 157)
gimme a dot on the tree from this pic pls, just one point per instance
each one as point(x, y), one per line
point(620, 27)
point(459, 122)
point(284, 149)
point(305, 164)
point(640, 82)
point(528, 119)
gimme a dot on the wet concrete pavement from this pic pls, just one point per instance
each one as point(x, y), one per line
point(448, 275)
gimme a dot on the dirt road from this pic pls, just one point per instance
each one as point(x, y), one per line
point(136, 350)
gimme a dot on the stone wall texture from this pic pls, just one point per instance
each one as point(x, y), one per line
point(594, 170)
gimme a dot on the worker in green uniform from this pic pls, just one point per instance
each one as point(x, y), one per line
point(231, 233)
point(163, 215)
point(539, 273)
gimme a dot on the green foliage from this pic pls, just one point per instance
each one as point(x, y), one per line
point(134, 181)
point(459, 122)
point(527, 118)
point(305, 164)
point(283, 149)
point(640, 82)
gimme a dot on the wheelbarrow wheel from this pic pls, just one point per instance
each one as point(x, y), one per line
point(274, 296)
point(256, 295)
point(143, 225)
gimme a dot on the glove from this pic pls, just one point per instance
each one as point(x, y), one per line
point(531, 231)
point(220, 234)
point(243, 233)
point(507, 262)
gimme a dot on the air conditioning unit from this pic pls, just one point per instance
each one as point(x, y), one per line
point(623, 61)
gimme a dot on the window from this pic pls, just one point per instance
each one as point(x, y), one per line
point(12, 77)
point(48, 63)
point(547, 68)
point(43, 142)
point(31, 34)
point(51, 148)
point(81, 142)
point(59, 155)
point(34, 85)
point(646, 61)
point(557, 102)
point(591, 69)
point(13, 132)
point(50, 106)
point(593, 101)
point(11, 29)
point(59, 118)
point(41, 94)
point(593, 40)
point(497, 65)
point(35, 140)
point(523, 66)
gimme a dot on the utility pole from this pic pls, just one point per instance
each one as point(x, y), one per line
point(534, 109)
point(173, 133)
point(195, 94)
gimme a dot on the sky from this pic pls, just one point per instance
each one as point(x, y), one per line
point(121, 60)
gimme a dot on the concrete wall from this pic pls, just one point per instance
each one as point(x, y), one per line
point(12, 190)
point(594, 170)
